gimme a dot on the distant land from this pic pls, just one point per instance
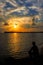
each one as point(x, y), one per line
point(25, 32)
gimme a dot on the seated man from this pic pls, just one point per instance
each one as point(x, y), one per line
point(34, 52)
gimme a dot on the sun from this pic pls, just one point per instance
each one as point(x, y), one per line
point(15, 25)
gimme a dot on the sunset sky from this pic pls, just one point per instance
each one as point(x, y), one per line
point(19, 13)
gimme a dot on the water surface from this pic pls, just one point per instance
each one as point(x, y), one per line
point(18, 44)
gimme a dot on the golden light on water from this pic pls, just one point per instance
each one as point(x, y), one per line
point(14, 46)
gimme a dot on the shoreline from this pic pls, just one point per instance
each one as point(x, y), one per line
point(24, 32)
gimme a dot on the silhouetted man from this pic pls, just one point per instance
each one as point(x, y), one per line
point(34, 52)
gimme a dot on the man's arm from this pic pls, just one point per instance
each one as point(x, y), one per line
point(31, 50)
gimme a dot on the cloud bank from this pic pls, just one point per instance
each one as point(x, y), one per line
point(20, 7)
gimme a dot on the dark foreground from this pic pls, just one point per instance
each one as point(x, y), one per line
point(25, 61)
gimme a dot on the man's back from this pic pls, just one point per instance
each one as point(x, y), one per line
point(35, 51)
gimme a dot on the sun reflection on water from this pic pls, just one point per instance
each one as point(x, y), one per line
point(16, 45)
point(13, 45)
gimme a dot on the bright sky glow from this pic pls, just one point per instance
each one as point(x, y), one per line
point(19, 13)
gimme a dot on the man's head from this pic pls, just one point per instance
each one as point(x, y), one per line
point(33, 43)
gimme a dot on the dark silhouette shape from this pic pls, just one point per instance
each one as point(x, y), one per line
point(34, 52)
point(41, 52)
